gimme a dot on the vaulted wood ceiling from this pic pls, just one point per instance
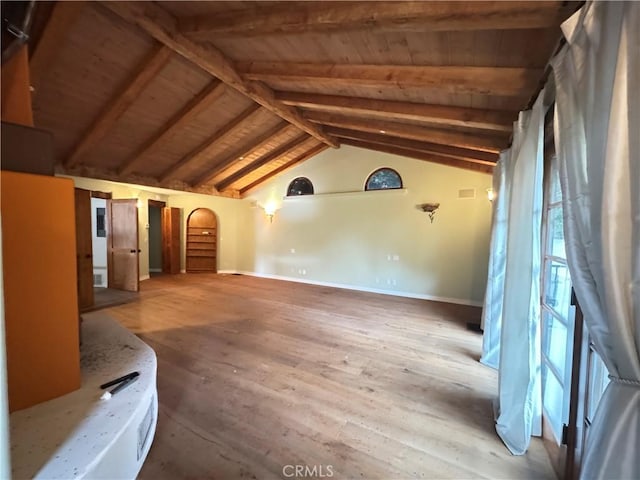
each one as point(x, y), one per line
point(218, 97)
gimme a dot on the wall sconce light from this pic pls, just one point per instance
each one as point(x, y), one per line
point(491, 194)
point(270, 211)
point(430, 209)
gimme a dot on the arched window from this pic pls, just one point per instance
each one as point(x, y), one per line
point(300, 186)
point(382, 179)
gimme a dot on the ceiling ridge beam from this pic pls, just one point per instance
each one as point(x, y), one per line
point(205, 147)
point(292, 163)
point(182, 118)
point(475, 156)
point(62, 18)
point(499, 120)
point(507, 81)
point(162, 26)
point(486, 143)
point(126, 95)
point(428, 157)
point(392, 16)
point(269, 157)
point(256, 144)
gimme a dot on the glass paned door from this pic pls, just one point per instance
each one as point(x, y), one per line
point(557, 314)
point(597, 381)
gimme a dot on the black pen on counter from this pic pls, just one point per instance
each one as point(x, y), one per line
point(128, 380)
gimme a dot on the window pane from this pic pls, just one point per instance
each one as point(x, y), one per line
point(555, 195)
point(552, 401)
point(300, 186)
point(554, 342)
point(555, 233)
point(383, 179)
point(598, 381)
point(557, 288)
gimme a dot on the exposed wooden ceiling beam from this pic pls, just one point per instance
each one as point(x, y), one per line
point(493, 143)
point(210, 143)
point(429, 157)
point(282, 168)
point(184, 117)
point(244, 151)
point(162, 26)
point(442, 114)
point(93, 171)
point(63, 16)
point(508, 81)
point(468, 155)
point(120, 102)
point(274, 154)
point(403, 16)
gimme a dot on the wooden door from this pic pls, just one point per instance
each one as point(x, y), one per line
point(84, 248)
point(122, 244)
point(202, 241)
point(170, 240)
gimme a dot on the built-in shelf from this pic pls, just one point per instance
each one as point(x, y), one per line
point(201, 243)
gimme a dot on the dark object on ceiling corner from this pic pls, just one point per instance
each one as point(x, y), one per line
point(16, 22)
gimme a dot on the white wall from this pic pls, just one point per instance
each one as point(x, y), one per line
point(375, 241)
point(98, 244)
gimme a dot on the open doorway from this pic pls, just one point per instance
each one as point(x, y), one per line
point(105, 278)
point(99, 238)
point(155, 237)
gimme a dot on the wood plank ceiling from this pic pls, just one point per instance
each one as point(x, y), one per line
point(218, 97)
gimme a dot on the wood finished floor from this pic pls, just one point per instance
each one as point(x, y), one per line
point(110, 297)
point(256, 374)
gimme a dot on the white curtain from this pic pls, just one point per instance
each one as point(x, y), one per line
point(492, 310)
point(519, 399)
point(597, 128)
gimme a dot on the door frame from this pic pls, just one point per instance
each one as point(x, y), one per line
point(84, 224)
point(156, 204)
point(105, 196)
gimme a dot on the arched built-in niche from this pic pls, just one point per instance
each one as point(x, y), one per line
point(202, 241)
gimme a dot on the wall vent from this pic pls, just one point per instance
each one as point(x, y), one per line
point(144, 428)
point(97, 279)
point(467, 193)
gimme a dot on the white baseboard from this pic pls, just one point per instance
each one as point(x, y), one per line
point(144, 277)
point(155, 270)
point(228, 271)
point(183, 271)
point(434, 298)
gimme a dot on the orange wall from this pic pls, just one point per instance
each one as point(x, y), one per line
point(16, 96)
point(41, 312)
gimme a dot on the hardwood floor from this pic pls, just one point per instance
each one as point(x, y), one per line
point(109, 297)
point(256, 374)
